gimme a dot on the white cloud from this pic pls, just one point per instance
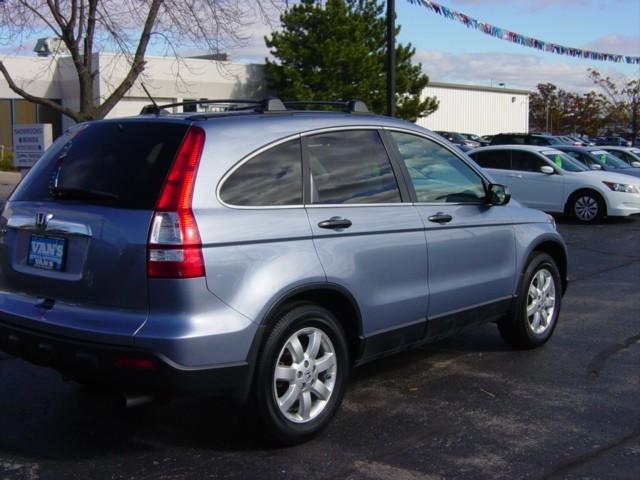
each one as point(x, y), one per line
point(621, 44)
point(514, 70)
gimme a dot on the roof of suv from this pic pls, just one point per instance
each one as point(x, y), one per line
point(242, 132)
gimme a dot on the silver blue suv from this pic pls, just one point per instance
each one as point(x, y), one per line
point(262, 251)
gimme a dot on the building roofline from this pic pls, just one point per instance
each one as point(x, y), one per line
point(482, 88)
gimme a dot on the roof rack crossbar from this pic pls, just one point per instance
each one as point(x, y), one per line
point(269, 104)
point(349, 106)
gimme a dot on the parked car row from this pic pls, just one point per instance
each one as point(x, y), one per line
point(587, 183)
point(466, 140)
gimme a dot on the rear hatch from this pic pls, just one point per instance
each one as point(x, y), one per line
point(73, 236)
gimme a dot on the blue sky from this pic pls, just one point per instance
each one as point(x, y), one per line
point(451, 52)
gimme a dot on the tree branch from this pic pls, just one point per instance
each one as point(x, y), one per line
point(137, 65)
point(41, 17)
point(32, 98)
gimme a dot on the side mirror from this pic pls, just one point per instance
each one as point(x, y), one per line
point(635, 164)
point(547, 169)
point(498, 194)
point(595, 166)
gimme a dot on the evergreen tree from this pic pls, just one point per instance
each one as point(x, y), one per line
point(338, 52)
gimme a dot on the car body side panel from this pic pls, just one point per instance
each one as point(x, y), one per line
point(471, 258)
point(254, 255)
point(538, 190)
point(381, 259)
point(193, 328)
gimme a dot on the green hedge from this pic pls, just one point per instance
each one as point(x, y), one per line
point(6, 163)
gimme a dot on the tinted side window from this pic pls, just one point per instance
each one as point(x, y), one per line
point(350, 167)
point(499, 159)
point(437, 175)
point(273, 177)
point(525, 161)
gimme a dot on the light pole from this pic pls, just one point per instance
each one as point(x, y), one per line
point(391, 58)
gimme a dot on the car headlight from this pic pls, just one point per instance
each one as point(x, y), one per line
point(623, 187)
point(552, 221)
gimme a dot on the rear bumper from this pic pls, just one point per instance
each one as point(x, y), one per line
point(130, 369)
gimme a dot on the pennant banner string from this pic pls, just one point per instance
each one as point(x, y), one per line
point(523, 40)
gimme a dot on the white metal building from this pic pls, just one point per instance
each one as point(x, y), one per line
point(167, 80)
point(477, 109)
point(463, 108)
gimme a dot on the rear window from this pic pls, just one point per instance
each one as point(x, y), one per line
point(120, 164)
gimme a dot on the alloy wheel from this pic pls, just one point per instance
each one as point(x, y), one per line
point(305, 375)
point(541, 301)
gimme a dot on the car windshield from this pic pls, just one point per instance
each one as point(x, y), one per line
point(564, 161)
point(607, 159)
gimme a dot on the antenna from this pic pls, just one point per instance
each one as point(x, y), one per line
point(156, 109)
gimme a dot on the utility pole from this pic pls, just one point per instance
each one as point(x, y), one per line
point(391, 58)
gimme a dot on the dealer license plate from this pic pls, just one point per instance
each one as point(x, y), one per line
point(47, 252)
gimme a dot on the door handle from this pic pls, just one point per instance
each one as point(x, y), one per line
point(440, 218)
point(335, 223)
point(515, 175)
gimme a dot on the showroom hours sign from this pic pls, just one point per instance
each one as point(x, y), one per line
point(29, 143)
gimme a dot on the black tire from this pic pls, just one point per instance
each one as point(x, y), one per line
point(301, 318)
point(516, 329)
point(579, 206)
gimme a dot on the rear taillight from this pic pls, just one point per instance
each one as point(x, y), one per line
point(174, 247)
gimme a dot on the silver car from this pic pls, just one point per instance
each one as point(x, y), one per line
point(261, 252)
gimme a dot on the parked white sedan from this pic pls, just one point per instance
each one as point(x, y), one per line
point(550, 180)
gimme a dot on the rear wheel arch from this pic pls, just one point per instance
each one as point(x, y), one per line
point(334, 298)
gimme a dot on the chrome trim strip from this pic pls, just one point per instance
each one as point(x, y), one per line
point(24, 222)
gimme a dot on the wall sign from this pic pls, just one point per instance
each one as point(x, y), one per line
point(29, 143)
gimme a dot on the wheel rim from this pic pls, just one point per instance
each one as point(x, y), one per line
point(541, 301)
point(586, 208)
point(305, 375)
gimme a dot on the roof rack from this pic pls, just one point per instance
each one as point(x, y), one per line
point(349, 106)
point(267, 105)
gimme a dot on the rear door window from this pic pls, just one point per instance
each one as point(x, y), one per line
point(121, 164)
point(498, 159)
point(350, 167)
point(273, 177)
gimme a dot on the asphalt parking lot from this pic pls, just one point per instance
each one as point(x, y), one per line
point(464, 408)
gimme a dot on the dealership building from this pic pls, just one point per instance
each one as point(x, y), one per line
point(463, 108)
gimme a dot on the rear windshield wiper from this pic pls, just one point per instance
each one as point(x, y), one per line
point(82, 194)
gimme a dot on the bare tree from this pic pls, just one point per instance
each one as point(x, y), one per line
point(624, 98)
point(127, 27)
